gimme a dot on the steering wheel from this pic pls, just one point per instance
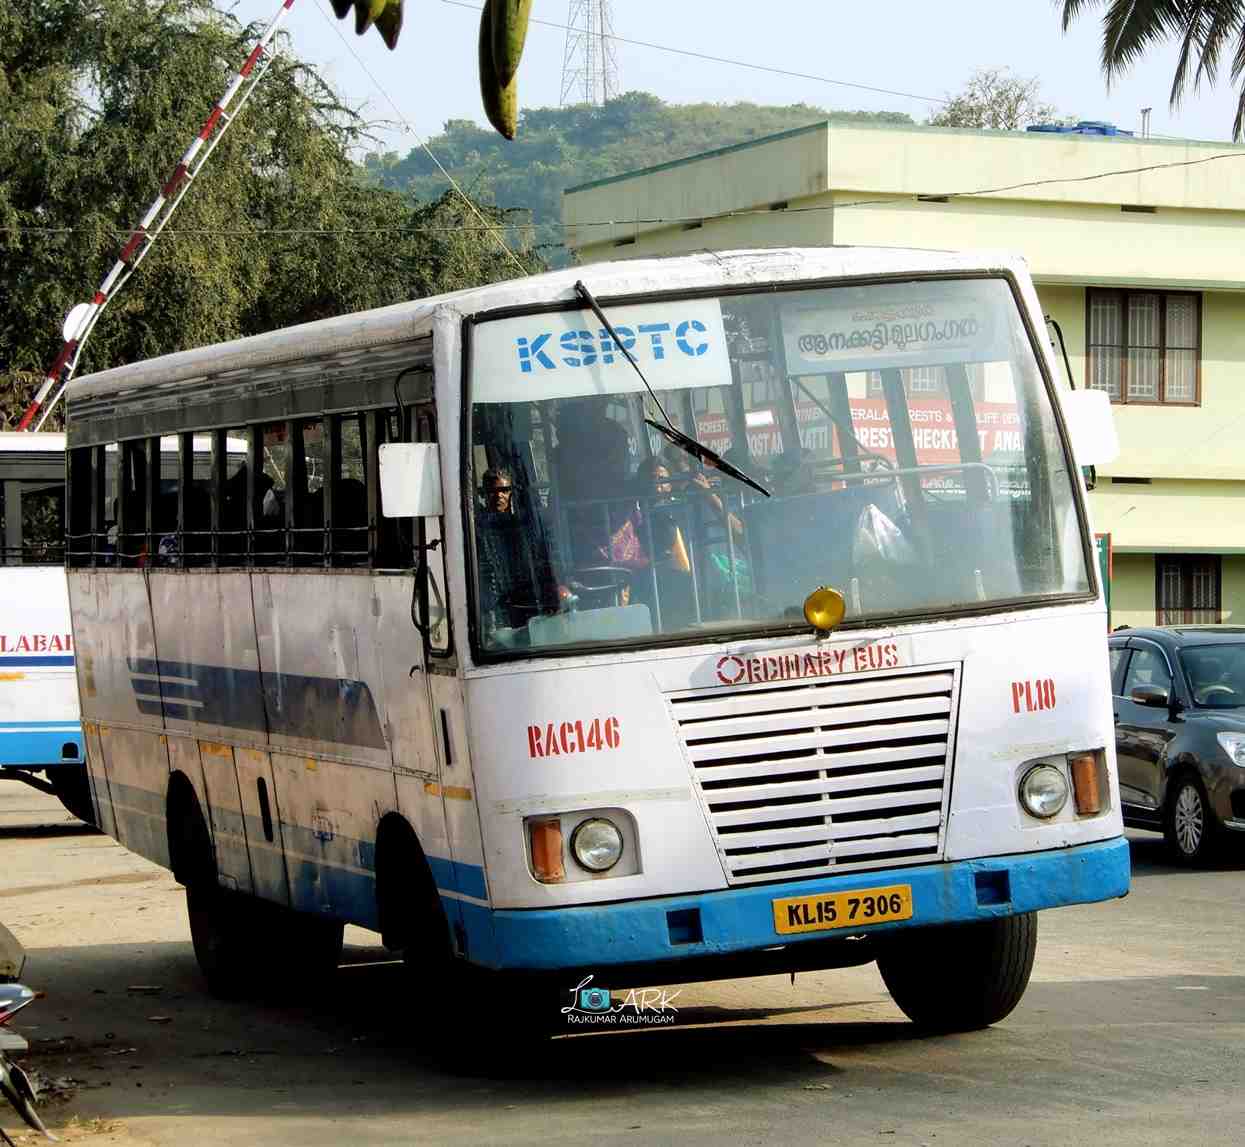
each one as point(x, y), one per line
point(1214, 690)
point(601, 585)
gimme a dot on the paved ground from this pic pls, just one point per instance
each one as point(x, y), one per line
point(1131, 1033)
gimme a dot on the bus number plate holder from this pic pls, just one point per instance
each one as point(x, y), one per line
point(851, 909)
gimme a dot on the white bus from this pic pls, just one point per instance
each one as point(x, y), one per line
point(40, 737)
point(730, 614)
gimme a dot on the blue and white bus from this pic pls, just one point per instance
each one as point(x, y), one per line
point(719, 615)
point(40, 736)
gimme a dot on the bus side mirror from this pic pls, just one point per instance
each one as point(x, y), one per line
point(1091, 426)
point(410, 480)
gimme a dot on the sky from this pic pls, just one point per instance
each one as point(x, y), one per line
point(912, 46)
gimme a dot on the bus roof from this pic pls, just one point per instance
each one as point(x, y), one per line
point(404, 322)
point(26, 441)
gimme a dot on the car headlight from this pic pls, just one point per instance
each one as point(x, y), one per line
point(1043, 791)
point(597, 844)
point(1234, 745)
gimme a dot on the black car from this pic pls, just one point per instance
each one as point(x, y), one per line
point(1179, 696)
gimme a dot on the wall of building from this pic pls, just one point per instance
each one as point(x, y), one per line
point(1132, 590)
point(1232, 589)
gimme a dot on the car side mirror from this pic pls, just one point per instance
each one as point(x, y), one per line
point(410, 480)
point(1152, 696)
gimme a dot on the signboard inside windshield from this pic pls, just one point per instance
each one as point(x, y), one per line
point(905, 331)
point(679, 345)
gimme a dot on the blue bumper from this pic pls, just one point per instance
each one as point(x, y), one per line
point(741, 920)
point(40, 744)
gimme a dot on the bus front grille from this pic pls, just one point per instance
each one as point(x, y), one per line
point(799, 779)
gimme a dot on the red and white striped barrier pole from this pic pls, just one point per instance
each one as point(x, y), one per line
point(84, 316)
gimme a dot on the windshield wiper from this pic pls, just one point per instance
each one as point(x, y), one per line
point(668, 430)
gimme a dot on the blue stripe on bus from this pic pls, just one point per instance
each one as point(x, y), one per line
point(37, 659)
point(335, 709)
point(455, 876)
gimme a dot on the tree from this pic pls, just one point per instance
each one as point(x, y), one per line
point(994, 98)
point(98, 100)
point(1205, 29)
point(559, 148)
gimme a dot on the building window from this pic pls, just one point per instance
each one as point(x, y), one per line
point(1145, 346)
point(1187, 589)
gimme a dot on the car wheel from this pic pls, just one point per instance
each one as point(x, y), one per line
point(1188, 822)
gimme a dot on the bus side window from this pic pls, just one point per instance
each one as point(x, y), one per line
point(196, 519)
point(164, 508)
point(233, 471)
point(306, 494)
point(347, 510)
point(132, 501)
point(395, 541)
point(79, 531)
point(271, 491)
point(10, 521)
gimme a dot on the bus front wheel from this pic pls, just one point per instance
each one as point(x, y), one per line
point(960, 977)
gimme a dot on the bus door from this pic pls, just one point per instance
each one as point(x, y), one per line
point(458, 869)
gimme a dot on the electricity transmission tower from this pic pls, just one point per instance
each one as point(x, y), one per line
point(589, 66)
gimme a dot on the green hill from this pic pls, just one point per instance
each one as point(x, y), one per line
point(558, 148)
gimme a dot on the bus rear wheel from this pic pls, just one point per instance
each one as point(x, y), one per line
point(224, 937)
point(961, 977)
point(73, 789)
point(248, 946)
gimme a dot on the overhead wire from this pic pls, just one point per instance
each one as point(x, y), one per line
point(725, 59)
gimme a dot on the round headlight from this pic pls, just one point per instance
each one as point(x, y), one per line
point(1043, 791)
point(597, 844)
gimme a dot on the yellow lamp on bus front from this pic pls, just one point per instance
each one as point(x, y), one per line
point(824, 608)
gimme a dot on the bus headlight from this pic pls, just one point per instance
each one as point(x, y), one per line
point(1043, 791)
point(597, 844)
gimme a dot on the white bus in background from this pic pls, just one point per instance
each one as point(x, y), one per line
point(794, 660)
point(40, 737)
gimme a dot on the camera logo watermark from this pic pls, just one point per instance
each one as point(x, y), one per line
point(594, 1006)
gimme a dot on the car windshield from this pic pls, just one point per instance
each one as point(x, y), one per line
point(1216, 674)
point(903, 430)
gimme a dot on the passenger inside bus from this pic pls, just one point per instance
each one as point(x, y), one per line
point(517, 580)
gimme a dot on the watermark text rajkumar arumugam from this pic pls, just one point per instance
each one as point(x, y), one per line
point(594, 1006)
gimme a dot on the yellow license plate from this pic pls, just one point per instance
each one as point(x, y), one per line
point(843, 909)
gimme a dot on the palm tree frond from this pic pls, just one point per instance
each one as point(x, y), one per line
point(1238, 124)
point(1222, 19)
point(1130, 27)
point(1072, 9)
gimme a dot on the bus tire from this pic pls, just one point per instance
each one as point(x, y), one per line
point(311, 947)
point(73, 789)
point(228, 945)
point(960, 977)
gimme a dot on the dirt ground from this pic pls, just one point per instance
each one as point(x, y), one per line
point(1130, 1033)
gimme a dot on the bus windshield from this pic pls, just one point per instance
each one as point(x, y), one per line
point(902, 430)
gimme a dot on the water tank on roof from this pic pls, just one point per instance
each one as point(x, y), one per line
point(1085, 127)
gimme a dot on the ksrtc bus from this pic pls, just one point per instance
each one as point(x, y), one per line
point(719, 615)
point(40, 737)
